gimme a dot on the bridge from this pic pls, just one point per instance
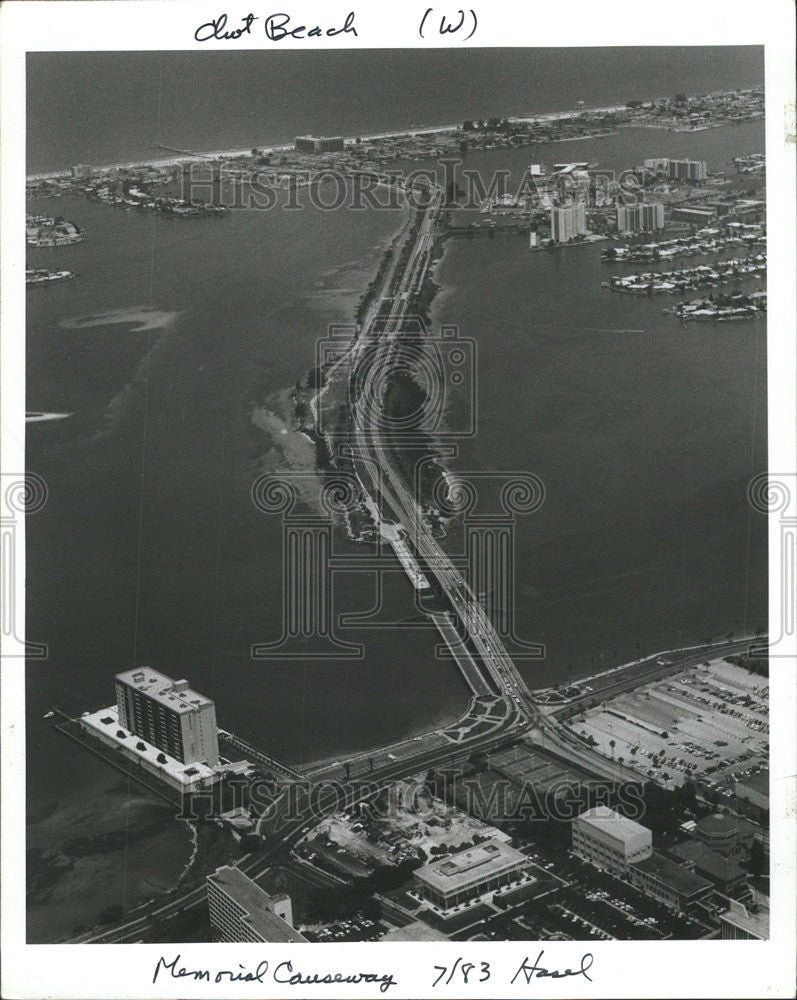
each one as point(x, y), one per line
point(480, 653)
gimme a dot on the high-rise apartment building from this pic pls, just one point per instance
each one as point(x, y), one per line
point(568, 221)
point(644, 217)
point(168, 714)
point(679, 170)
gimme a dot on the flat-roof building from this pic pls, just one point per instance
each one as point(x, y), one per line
point(610, 841)
point(168, 714)
point(318, 144)
point(468, 874)
point(241, 911)
point(726, 874)
point(693, 213)
point(743, 923)
point(669, 882)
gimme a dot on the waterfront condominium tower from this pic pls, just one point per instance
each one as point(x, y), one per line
point(568, 221)
point(168, 714)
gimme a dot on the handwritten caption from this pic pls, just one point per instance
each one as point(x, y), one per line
point(278, 27)
point(462, 972)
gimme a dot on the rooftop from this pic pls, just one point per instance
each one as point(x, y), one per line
point(672, 874)
point(176, 694)
point(604, 818)
point(255, 901)
point(718, 824)
point(474, 864)
point(710, 862)
point(754, 923)
point(105, 722)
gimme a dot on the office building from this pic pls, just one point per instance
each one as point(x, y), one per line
point(645, 217)
point(469, 874)
point(610, 841)
point(82, 172)
point(744, 923)
point(568, 221)
point(679, 170)
point(316, 144)
point(726, 875)
point(669, 882)
point(169, 715)
point(241, 911)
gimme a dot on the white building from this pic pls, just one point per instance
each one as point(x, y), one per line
point(739, 923)
point(169, 715)
point(610, 841)
point(471, 873)
point(644, 217)
point(241, 911)
point(568, 221)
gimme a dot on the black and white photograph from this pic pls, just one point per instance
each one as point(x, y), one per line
point(398, 501)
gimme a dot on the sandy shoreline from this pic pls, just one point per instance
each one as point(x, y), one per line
point(170, 161)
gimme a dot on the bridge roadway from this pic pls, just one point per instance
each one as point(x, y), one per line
point(387, 484)
point(380, 479)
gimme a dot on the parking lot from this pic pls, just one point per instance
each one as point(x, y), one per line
point(709, 723)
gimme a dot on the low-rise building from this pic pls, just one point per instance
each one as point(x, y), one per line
point(105, 726)
point(610, 841)
point(669, 882)
point(726, 875)
point(693, 213)
point(469, 874)
point(318, 144)
point(743, 923)
point(241, 911)
point(728, 835)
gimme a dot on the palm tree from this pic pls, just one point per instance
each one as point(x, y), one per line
point(612, 744)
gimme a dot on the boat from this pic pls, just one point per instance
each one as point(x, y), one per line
point(43, 276)
point(33, 417)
